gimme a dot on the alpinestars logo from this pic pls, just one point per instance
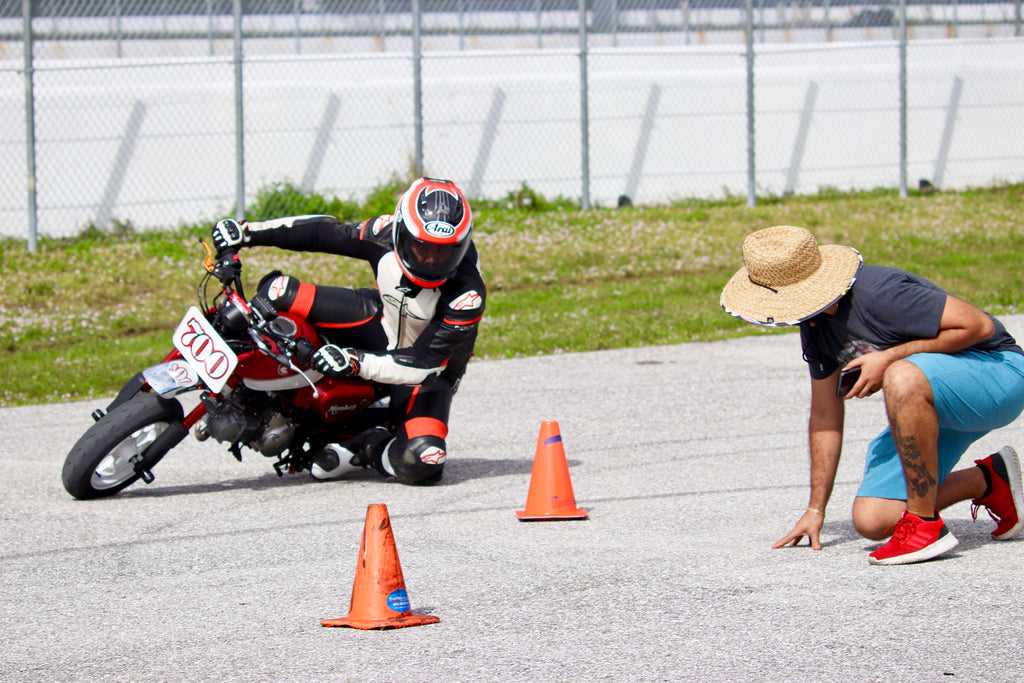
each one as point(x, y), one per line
point(379, 223)
point(278, 287)
point(433, 456)
point(467, 301)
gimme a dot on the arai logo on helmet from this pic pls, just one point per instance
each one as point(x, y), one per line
point(439, 229)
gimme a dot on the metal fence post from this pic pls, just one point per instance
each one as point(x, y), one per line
point(211, 46)
point(903, 97)
point(417, 89)
point(30, 127)
point(584, 115)
point(751, 137)
point(239, 116)
point(540, 22)
point(120, 35)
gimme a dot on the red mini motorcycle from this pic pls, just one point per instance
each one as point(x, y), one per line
point(250, 365)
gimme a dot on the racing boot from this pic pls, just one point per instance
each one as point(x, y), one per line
point(370, 447)
point(335, 461)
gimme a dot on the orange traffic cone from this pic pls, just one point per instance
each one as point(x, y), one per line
point(550, 495)
point(379, 600)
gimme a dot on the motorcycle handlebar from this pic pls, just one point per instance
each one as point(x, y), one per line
point(225, 265)
point(227, 268)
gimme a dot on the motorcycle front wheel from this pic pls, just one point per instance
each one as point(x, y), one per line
point(100, 463)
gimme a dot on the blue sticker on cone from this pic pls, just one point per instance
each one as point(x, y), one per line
point(398, 600)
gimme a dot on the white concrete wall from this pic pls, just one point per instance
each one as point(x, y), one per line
point(827, 116)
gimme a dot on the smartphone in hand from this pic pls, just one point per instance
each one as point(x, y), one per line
point(847, 378)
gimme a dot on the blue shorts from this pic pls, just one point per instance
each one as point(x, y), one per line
point(975, 393)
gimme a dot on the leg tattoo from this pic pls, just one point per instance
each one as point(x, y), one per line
point(919, 480)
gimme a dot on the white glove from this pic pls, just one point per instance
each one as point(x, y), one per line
point(333, 361)
point(229, 234)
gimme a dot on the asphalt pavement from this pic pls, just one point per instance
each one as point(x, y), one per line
point(689, 459)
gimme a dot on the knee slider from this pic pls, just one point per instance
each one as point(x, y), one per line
point(279, 289)
point(422, 460)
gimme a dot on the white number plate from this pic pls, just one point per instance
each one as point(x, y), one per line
point(204, 349)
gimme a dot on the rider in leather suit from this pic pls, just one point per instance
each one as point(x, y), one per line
point(415, 332)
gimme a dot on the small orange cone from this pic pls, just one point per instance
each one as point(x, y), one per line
point(550, 495)
point(379, 600)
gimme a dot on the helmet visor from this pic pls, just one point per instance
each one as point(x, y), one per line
point(429, 262)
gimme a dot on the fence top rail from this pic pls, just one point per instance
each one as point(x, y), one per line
point(16, 65)
point(206, 8)
point(137, 62)
point(783, 48)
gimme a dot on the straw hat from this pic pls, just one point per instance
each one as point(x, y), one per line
point(787, 278)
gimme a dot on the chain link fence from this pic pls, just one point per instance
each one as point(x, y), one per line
point(155, 113)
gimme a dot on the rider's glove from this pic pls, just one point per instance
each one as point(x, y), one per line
point(333, 361)
point(230, 234)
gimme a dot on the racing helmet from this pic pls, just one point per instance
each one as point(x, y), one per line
point(433, 225)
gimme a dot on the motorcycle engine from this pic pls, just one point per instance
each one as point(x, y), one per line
point(264, 430)
point(276, 437)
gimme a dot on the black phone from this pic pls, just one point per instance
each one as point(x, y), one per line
point(847, 378)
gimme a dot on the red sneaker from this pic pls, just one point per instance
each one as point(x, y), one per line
point(914, 540)
point(1005, 498)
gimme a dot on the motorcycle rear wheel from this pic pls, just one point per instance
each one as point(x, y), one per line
point(99, 464)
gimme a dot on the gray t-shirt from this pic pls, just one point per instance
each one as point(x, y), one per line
point(884, 308)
